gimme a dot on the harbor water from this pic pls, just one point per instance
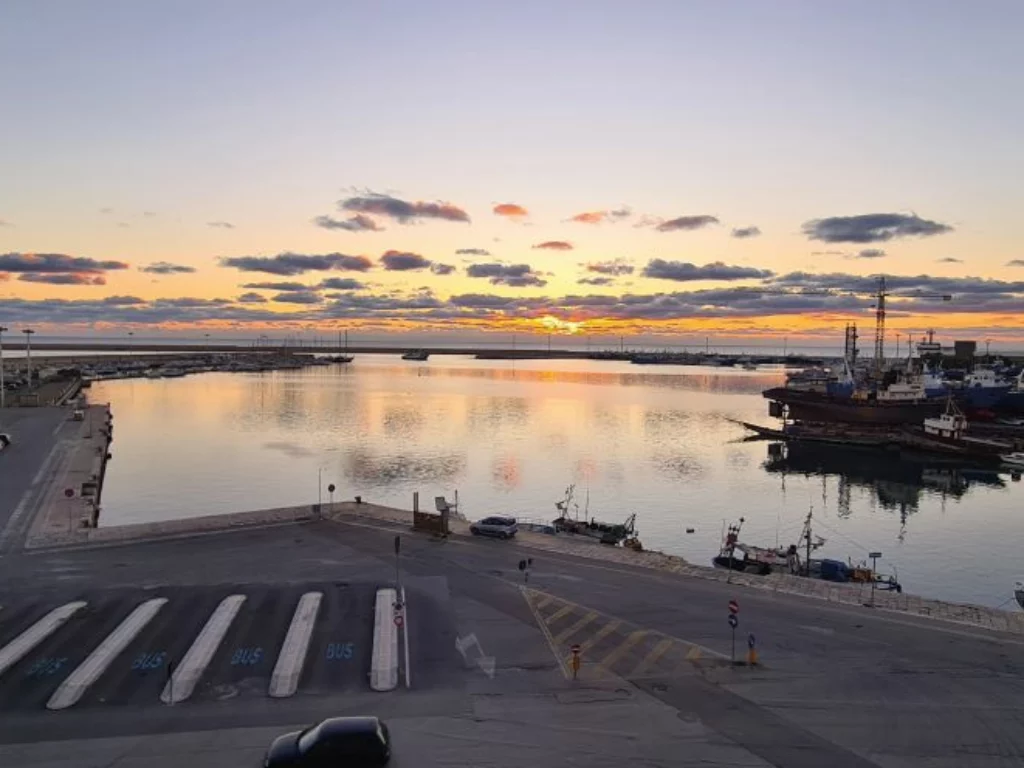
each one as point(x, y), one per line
point(509, 437)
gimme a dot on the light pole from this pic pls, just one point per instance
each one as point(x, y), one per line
point(28, 353)
point(3, 390)
point(874, 574)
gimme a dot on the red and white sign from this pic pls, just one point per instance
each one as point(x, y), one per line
point(734, 607)
point(69, 492)
point(575, 649)
point(398, 620)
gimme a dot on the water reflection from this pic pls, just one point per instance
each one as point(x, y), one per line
point(367, 468)
point(896, 482)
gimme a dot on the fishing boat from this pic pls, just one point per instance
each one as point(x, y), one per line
point(624, 533)
point(737, 556)
point(416, 355)
point(1013, 460)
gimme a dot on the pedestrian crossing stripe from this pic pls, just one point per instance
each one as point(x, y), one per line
point(610, 646)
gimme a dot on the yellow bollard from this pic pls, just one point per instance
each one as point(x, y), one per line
point(752, 656)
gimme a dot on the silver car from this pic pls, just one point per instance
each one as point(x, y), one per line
point(498, 526)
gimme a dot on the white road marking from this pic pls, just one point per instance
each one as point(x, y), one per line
point(284, 680)
point(405, 639)
point(20, 646)
point(89, 671)
point(384, 665)
point(190, 669)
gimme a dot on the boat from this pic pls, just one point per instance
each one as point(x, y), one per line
point(859, 408)
point(982, 389)
point(624, 533)
point(929, 347)
point(1014, 460)
point(1018, 593)
point(417, 355)
point(737, 556)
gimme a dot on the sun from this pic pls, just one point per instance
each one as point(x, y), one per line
point(559, 326)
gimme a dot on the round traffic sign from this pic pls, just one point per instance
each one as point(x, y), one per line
point(330, 488)
point(398, 620)
point(733, 621)
point(69, 492)
point(575, 648)
point(734, 607)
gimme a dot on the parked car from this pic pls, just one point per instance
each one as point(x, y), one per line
point(499, 526)
point(352, 742)
point(5, 440)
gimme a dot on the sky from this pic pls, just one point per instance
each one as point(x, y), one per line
point(658, 168)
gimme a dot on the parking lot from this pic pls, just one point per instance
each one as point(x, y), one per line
point(124, 646)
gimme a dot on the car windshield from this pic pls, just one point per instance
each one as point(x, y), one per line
point(307, 739)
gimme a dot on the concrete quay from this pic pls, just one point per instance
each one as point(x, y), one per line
point(846, 594)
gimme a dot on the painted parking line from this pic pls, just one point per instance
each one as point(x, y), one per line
point(564, 635)
point(71, 690)
point(18, 648)
point(185, 677)
point(384, 664)
point(285, 678)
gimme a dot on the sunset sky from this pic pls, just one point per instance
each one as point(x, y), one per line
point(249, 167)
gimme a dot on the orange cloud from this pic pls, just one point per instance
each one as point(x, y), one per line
point(511, 210)
point(590, 217)
point(554, 245)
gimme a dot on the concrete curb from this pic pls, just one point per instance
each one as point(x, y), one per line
point(384, 664)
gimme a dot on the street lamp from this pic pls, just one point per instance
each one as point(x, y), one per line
point(28, 353)
point(3, 391)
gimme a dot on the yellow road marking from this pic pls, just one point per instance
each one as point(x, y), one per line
point(565, 610)
point(694, 653)
point(547, 599)
point(606, 630)
point(633, 639)
point(561, 637)
point(652, 658)
point(562, 665)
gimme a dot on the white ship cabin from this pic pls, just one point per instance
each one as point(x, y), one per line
point(950, 425)
point(903, 391)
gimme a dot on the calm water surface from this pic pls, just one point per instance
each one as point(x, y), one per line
point(654, 440)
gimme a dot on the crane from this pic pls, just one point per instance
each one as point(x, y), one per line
point(879, 294)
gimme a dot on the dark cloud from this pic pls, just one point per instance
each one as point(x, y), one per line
point(683, 271)
point(363, 305)
point(341, 284)
point(510, 210)
point(277, 286)
point(472, 252)
point(297, 297)
point(514, 275)
point(57, 278)
point(872, 228)
point(287, 264)
point(403, 211)
point(950, 260)
point(554, 245)
point(442, 269)
point(122, 301)
point(251, 298)
point(686, 223)
point(399, 261)
point(166, 268)
point(871, 253)
point(190, 302)
point(745, 232)
point(596, 280)
point(1015, 263)
point(615, 267)
point(907, 284)
point(220, 224)
point(55, 262)
point(357, 223)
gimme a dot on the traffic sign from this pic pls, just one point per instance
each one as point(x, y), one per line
point(733, 621)
point(575, 649)
point(874, 555)
point(330, 488)
point(734, 607)
point(751, 640)
point(398, 620)
point(69, 492)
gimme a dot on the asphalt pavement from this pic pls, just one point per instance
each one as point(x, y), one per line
point(28, 465)
point(844, 686)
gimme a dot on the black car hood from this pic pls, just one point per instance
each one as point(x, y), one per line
point(284, 751)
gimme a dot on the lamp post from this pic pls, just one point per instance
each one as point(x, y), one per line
point(3, 390)
point(28, 353)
